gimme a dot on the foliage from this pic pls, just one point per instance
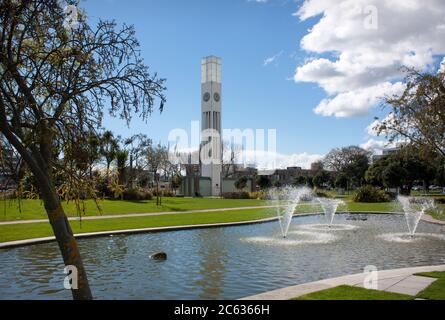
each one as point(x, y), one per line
point(264, 182)
point(163, 193)
point(260, 195)
point(236, 195)
point(402, 169)
point(352, 161)
point(321, 178)
point(341, 181)
point(115, 187)
point(241, 183)
point(121, 162)
point(300, 181)
point(322, 193)
point(418, 114)
point(56, 83)
point(370, 194)
point(137, 194)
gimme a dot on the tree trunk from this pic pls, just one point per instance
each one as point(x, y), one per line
point(66, 241)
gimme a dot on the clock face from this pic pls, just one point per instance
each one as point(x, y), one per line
point(206, 97)
point(216, 97)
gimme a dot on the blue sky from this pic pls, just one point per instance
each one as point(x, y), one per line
point(176, 34)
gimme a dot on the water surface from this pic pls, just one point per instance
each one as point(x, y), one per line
point(220, 263)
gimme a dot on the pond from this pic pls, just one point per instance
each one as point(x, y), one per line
point(223, 263)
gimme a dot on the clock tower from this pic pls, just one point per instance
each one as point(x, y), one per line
point(211, 147)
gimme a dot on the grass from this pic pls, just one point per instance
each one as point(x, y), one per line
point(38, 230)
point(436, 291)
point(353, 293)
point(33, 209)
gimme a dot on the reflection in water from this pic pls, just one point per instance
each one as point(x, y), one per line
point(217, 263)
point(213, 257)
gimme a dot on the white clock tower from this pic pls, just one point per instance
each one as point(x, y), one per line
point(211, 147)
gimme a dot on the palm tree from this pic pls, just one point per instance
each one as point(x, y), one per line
point(109, 148)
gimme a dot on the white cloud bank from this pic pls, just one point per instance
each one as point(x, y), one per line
point(369, 41)
point(265, 160)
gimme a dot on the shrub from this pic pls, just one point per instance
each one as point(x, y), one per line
point(439, 200)
point(321, 193)
point(259, 195)
point(137, 195)
point(236, 195)
point(163, 193)
point(370, 194)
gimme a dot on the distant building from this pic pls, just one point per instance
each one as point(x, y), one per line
point(385, 152)
point(317, 166)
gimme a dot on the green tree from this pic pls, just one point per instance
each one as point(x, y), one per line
point(55, 85)
point(352, 161)
point(93, 145)
point(418, 114)
point(394, 175)
point(402, 169)
point(341, 181)
point(300, 181)
point(109, 148)
point(321, 178)
point(121, 164)
point(264, 182)
point(241, 183)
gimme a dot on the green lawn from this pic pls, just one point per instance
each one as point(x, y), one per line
point(436, 291)
point(37, 230)
point(353, 293)
point(12, 210)
point(33, 209)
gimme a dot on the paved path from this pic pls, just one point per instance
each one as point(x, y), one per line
point(398, 280)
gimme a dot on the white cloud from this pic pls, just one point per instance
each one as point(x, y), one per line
point(371, 129)
point(265, 160)
point(272, 59)
point(365, 62)
point(375, 146)
point(356, 102)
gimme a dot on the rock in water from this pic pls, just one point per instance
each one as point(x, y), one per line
point(159, 256)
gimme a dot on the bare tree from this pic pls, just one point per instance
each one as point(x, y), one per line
point(156, 159)
point(137, 146)
point(55, 84)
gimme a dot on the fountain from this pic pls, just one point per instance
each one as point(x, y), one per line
point(287, 198)
point(329, 208)
point(414, 209)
